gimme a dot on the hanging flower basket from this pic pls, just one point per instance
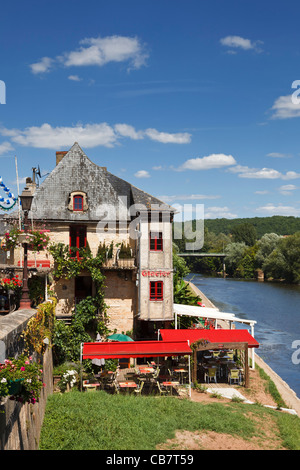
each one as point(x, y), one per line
point(24, 238)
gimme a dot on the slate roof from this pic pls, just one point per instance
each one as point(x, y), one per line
point(105, 191)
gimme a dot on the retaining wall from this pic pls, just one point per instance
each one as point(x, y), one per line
point(20, 424)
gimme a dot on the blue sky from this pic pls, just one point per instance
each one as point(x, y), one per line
point(190, 101)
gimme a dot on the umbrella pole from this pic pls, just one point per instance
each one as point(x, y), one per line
point(81, 367)
point(190, 389)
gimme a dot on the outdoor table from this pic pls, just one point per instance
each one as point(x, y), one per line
point(171, 385)
point(146, 370)
point(89, 386)
point(181, 372)
point(127, 385)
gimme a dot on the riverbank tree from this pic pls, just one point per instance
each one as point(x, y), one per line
point(277, 256)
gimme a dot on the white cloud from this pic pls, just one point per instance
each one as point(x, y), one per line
point(219, 213)
point(43, 66)
point(74, 78)
point(142, 174)
point(5, 147)
point(98, 52)
point(186, 197)
point(288, 187)
point(261, 192)
point(237, 42)
point(285, 108)
point(278, 155)
point(209, 162)
point(271, 209)
point(166, 138)
point(263, 173)
point(89, 135)
point(46, 136)
point(125, 130)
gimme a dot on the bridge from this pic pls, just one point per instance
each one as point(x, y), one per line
point(208, 255)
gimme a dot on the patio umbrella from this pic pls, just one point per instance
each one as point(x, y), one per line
point(119, 337)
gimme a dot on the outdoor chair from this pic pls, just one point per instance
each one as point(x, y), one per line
point(234, 376)
point(211, 374)
point(162, 390)
point(116, 387)
point(139, 388)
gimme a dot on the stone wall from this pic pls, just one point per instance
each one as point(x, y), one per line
point(20, 424)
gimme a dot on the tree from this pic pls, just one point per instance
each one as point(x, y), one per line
point(235, 252)
point(244, 233)
point(265, 246)
point(284, 261)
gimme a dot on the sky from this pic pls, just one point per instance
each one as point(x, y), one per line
point(194, 102)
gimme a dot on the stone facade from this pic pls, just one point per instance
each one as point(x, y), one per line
point(111, 210)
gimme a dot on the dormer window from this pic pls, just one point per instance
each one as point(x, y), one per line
point(78, 201)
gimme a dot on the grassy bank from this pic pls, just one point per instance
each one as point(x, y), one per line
point(99, 421)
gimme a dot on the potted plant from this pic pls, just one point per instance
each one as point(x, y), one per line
point(21, 379)
point(125, 258)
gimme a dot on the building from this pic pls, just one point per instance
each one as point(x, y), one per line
point(84, 205)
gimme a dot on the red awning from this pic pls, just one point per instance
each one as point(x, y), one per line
point(213, 336)
point(118, 350)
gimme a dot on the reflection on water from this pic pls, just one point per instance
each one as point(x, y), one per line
point(275, 307)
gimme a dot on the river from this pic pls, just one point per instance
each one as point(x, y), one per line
point(276, 309)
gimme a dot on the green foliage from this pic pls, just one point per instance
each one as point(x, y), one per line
point(26, 373)
point(104, 251)
point(125, 251)
point(265, 246)
point(36, 287)
point(284, 261)
point(244, 233)
point(90, 315)
point(39, 327)
point(282, 225)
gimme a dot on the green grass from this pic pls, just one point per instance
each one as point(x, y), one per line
point(271, 388)
point(99, 421)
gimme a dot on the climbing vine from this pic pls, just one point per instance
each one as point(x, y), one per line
point(39, 327)
point(90, 314)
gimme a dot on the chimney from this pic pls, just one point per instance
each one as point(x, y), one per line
point(59, 156)
point(31, 185)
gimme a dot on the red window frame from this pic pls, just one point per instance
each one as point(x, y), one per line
point(77, 236)
point(156, 290)
point(156, 241)
point(78, 203)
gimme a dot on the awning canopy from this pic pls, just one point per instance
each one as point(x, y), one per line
point(119, 350)
point(206, 312)
point(220, 336)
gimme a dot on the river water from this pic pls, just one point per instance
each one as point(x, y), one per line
point(276, 309)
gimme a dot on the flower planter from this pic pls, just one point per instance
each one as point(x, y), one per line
point(15, 386)
point(126, 263)
point(24, 238)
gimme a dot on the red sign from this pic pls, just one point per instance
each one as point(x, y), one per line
point(146, 273)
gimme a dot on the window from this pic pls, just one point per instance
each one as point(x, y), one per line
point(156, 290)
point(156, 241)
point(77, 239)
point(78, 203)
